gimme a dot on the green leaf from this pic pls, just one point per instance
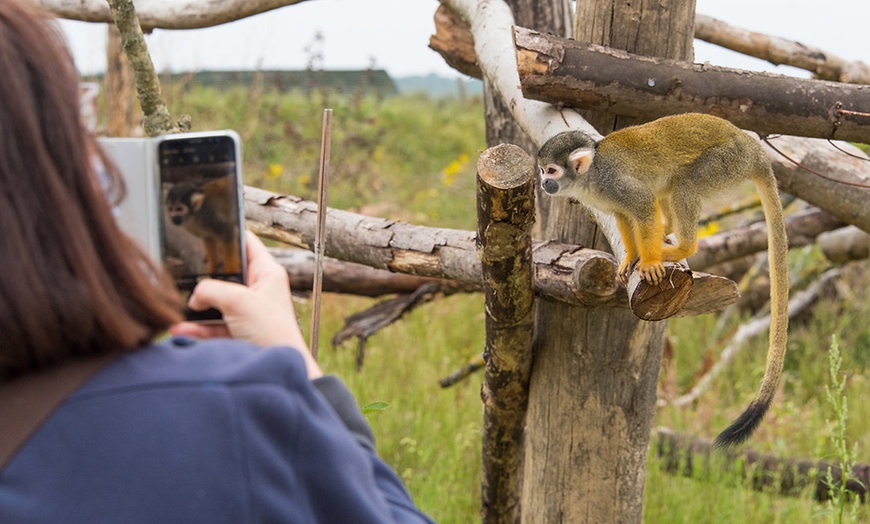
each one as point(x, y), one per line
point(374, 406)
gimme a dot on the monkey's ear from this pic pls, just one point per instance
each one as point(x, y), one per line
point(581, 159)
point(196, 201)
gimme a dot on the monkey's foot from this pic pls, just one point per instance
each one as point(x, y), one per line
point(652, 272)
point(624, 269)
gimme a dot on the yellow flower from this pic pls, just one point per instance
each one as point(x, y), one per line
point(708, 230)
point(275, 170)
point(448, 174)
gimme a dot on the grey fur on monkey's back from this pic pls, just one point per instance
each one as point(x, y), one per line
point(688, 141)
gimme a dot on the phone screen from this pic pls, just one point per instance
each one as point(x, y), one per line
point(202, 218)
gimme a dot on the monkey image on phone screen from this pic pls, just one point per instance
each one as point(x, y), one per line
point(202, 219)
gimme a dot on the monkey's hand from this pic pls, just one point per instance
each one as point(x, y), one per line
point(652, 272)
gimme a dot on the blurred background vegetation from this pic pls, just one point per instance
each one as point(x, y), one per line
point(412, 158)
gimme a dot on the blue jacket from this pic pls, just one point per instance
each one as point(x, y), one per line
point(217, 431)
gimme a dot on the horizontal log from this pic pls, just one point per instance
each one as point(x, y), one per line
point(588, 76)
point(802, 229)
point(845, 244)
point(166, 14)
point(683, 454)
point(781, 51)
point(447, 253)
point(350, 278)
point(454, 42)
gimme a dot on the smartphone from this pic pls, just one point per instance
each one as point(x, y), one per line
point(202, 224)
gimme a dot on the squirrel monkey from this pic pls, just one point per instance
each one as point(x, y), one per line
point(652, 178)
point(206, 212)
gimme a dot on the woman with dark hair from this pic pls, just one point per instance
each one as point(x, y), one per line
point(189, 430)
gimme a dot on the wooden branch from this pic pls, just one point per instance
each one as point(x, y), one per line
point(563, 272)
point(802, 229)
point(157, 120)
point(841, 199)
point(167, 14)
point(687, 455)
point(454, 42)
point(366, 323)
point(588, 76)
point(350, 278)
point(781, 51)
point(491, 24)
point(845, 244)
point(505, 215)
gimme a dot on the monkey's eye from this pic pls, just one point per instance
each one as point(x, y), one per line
point(552, 170)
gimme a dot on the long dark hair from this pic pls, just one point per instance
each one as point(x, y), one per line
point(71, 283)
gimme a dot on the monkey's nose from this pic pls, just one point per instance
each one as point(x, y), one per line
point(550, 185)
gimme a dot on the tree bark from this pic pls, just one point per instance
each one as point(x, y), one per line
point(157, 120)
point(593, 388)
point(167, 14)
point(505, 214)
point(588, 76)
point(781, 51)
point(119, 87)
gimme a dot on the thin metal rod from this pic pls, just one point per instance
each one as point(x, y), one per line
point(320, 231)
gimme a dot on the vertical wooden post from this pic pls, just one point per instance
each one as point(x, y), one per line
point(505, 215)
point(593, 387)
point(118, 87)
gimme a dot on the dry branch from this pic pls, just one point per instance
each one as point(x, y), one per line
point(167, 14)
point(357, 279)
point(781, 51)
point(831, 185)
point(588, 76)
point(366, 323)
point(687, 455)
point(157, 120)
point(802, 228)
point(845, 244)
point(454, 42)
point(505, 215)
point(563, 272)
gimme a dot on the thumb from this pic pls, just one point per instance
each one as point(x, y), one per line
point(218, 294)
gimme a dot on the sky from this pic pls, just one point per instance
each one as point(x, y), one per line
point(394, 35)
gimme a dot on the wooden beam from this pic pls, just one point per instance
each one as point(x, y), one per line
point(588, 76)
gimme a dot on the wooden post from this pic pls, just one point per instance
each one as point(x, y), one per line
point(118, 87)
point(592, 392)
point(505, 215)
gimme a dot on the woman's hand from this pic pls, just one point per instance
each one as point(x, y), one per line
point(261, 312)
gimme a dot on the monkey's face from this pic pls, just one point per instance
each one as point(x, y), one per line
point(564, 160)
point(178, 212)
point(550, 176)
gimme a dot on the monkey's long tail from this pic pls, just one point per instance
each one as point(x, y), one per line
point(777, 245)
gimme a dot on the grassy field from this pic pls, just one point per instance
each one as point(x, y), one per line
point(412, 158)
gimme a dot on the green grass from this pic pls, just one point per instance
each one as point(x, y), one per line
point(412, 158)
